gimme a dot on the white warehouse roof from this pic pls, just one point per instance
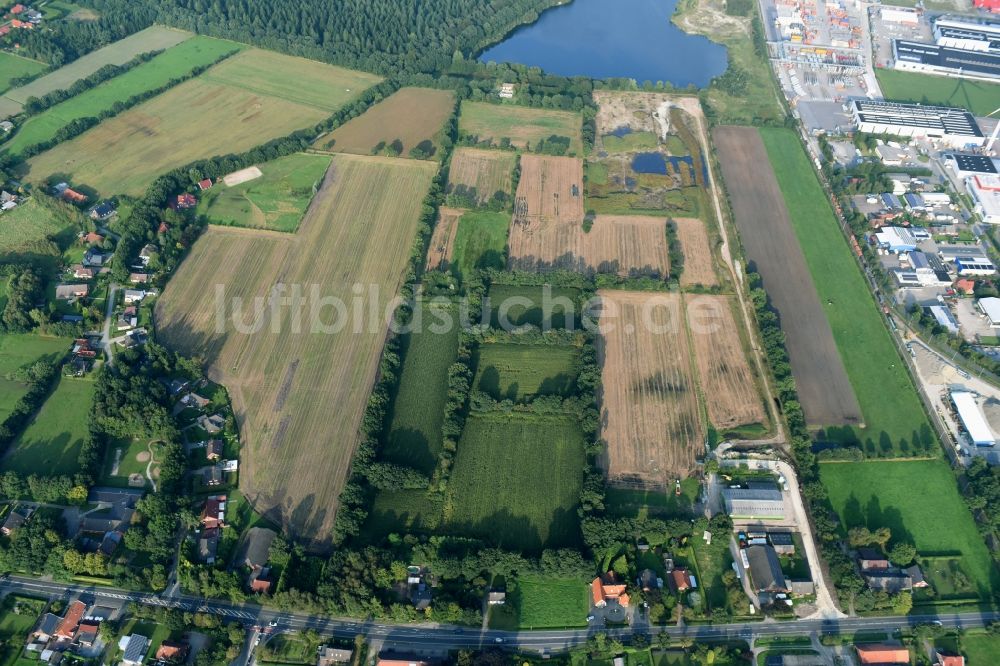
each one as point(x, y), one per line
point(972, 418)
point(990, 307)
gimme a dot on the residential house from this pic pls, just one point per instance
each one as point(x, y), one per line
point(15, 519)
point(965, 286)
point(890, 580)
point(80, 272)
point(172, 652)
point(882, 653)
point(205, 184)
point(183, 202)
point(86, 636)
point(6, 127)
point(328, 656)
point(607, 589)
point(175, 386)
point(138, 278)
point(163, 228)
point(916, 576)
point(214, 449)
point(146, 253)
point(213, 514)
point(765, 570)
point(506, 90)
point(45, 630)
point(133, 647)
point(70, 624)
point(869, 558)
point(70, 195)
point(109, 544)
point(260, 581)
point(194, 400)
point(69, 292)
point(255, 548)
point(648, 580)
point(947, 659)
point(134, 296)
point(213, 476)
point(389, 659)
point(680, 580)
point(102, 211)
point(94, 257)
point(496, 598)
point(212, 424)
point(83, 348)
point(208, 545)
point(127, 319)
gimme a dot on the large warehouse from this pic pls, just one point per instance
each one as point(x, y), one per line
point(954, 127)
point(973, 419)
point(962, 33)
point(923, 57)
point(757, 501)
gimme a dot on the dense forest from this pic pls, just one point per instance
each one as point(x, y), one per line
point(385, 36)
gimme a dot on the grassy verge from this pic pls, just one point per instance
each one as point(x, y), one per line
point(894, 417)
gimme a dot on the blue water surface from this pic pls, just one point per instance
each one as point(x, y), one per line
point(614, 39)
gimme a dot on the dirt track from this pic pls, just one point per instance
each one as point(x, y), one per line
point(773, 250)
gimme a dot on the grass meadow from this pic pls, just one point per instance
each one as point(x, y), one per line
point(980, 649)
point(14, 66)
point(480, 242)
point(401, 512)
point(417, 411)
point(15, 627)
point(22, 349)
point(523, 125)
point(894, 416)
point(130, 462)
point(51, 443)
point(979, 97)
point(539, 602)
point(26, 226)
point(500, 494)
point(517, 372)
point(277, 200)
point(552, 307)
point(919, 502)
point(153, 38)
point(171, 64)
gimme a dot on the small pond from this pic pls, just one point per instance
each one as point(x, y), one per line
point(649, 163)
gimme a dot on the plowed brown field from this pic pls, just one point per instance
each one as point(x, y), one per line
point(485, 171)
point(443, 239)
point(726, 379)
point(299, 394)
point(699, 265)
point(650, 420)
point(627, 245)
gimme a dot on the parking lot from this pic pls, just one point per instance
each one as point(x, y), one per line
point(883, 32)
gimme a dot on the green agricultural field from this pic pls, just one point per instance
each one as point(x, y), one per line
point(417, 411)
point(919, 502)
point(546, 303)
point(51, 443)
point(153, 38)
point(978, 97)
point(276, 200)
point(537, 602)
point(27, 227)
point(642, 503)
point(980, 649)
point(20, 350)
point(173, 63)
point(523, 125)
point(498, 492)
point(516, 372)
point(14, 67)
point(480, 242)
point(401, 512)
point(894, 416)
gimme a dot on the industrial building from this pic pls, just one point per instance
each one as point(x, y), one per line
point(896, 239)
point(972, 418)
point(954, 127)
point(990, 306)
point(944, 318)
point(961, 33)
point(974, 266)
point(985, 192)
point(765, 570)
point(965, 165)
point(923, 57)
point(762, 501)
point(924, 271)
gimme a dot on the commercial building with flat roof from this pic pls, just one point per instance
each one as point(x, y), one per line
point(896, 239)
point(923, 57)
point(972, 418)
point(754, 502)
point(965, 165)
point(984, 188)
point(962, 33)
point(990, 306)
point(954, 127)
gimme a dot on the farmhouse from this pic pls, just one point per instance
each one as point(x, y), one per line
point(945, 658)
point(182, 202)
point(888, 580)
point(971, 415)
point(765, 570)
point(72, 196)
point(68, 292)
point(953, 127)
point(607, 589)
point(871, 559)
point(759, 502)
point(880, 653)
point(91, 238)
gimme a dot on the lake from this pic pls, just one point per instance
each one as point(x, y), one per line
point(603, 39)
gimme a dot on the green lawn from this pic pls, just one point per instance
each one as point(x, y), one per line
point(131, 461)
point(538, 602)
point(517, 372)
point(516, 481)
point(978, 97)
point(277, 200)
point(51, 443)
point(554, 305)
point(980, 649)
point(480, 242)
point(19, 350)
point(14, 627)
point(27, 227)
point(417, 411)
point(919, 502)
point(173, 63)
point(894, 416)
point(641, 503)
point(13, 67)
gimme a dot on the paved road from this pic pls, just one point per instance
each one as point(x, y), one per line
point(445, 637)
point(109, 347)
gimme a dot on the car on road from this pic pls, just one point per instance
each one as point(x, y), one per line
point(498, 640)
point(591, 618)
point(272, 623)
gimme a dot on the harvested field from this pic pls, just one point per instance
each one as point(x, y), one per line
point(152, 38)
point(550, 190)
point(442, 247)
point(727, 382)
point(481, 173)
point(283, 382)
point(242, 176)
point(626, 245)
point(125, 154)
point(410, 115)
point(773, 251)
point(699, 264)
point(650, 418)
point(523, 125)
